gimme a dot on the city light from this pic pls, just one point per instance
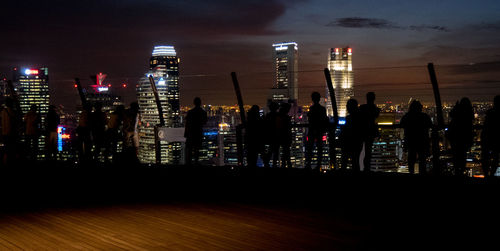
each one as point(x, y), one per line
point(284, 46)
point(102, 88)
point(164, 51)
point(31, 72)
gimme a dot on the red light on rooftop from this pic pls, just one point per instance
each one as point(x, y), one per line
point(124, 85)
point(109, 85)
point(76, 86)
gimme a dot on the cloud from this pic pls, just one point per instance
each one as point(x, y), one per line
point(217, 18)
point(423, 27)
point(378, 23)
point(359, 22)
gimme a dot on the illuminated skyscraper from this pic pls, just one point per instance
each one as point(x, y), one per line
point(285, 56)
point(32, 86)
point(340, 66)
point(164, 67)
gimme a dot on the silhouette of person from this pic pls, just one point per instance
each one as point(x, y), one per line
point(98, 121)
point(460, 133)
point(52, 122)
point(416, 125)
point(9, 131)
point(284, 133)
point(131, 119)
point(253, 136)
point(270, 138)
point(351, 139)
point(490, 139)
point(32, 132)
point(196, 118)
point(318, 123)
point(369, 113)
point(83, 131)
point(113, 132)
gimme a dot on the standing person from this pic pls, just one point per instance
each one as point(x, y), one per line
point(350, 137)
point(460, 133)
point(83, 131)
point(113, 132)
point(369, 113)
point(196, 118)
point(318, 123)
point(416, 125)
point(32, 131)
point(270, 138)
point(490, 139)
point(98, 121)
point(52, 122)
point(284, 133)
point(253, 136)
point(131, 120)
point(9, 131)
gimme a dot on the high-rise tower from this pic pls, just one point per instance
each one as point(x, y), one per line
point(32, 86)
point(164, 67)
point(340, 66)
point(285, 56)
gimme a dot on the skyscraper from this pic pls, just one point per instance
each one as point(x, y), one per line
point(164, 67)
point(340, 66)
point(285, 56)
point(32, 87)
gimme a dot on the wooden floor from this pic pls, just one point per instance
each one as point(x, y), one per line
point(179, 226)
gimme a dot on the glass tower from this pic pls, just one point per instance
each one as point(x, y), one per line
point(340, 66)
point(164, 67)
point(285, 56)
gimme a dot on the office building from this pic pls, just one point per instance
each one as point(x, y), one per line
point(387, 148)
point(164, 67)
point(340, 66)
point(32, 87)
point(285, 56)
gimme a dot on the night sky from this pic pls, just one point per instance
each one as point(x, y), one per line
point(212, 38)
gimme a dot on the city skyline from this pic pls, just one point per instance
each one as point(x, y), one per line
point(219, 37)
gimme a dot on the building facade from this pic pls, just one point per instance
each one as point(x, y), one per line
point(164, 67)
point(340, 66)
point(32, 87)
point(285, 59)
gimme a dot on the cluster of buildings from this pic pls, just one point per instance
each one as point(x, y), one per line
point(220, 143)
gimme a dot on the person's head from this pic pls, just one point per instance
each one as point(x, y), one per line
point(315, 97)
point(255, 108)
point(87, 107)
point(134, 106)
point(273, 106)
point(370, 97)
point(465, 103)
point(9, 102)
point(352, 106)
point(33, 108)
point(119, 109)
point(197, 102)
point(496, 102)
point(52, 108)
point(285, 108)
point(415, 106)
point(98, 106)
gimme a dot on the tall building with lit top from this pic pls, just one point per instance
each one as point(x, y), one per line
point(285, 56)
point(164, 67)
point(32, 87)
point(340, 66)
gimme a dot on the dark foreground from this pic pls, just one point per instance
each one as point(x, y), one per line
point(207, 208)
